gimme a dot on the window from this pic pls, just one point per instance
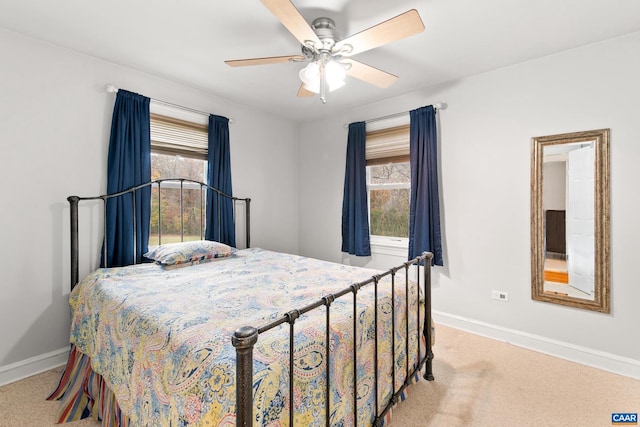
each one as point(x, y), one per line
point(389, 195)
point(178, 150)
point(389, 185)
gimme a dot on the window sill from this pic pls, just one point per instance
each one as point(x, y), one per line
point(393, 246)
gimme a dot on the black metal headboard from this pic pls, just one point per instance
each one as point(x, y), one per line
point(169, 182)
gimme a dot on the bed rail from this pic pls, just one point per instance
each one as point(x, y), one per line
point(246, 337)
point(180, 183)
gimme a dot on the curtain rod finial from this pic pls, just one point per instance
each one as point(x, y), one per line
point(440, 105)
point(109, 88)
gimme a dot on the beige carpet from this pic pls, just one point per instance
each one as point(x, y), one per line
point(482, 382)
point(479, 382)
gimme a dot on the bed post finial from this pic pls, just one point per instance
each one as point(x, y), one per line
point(243, 340)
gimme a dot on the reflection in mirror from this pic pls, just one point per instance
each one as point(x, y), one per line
point(570, 219)
point(568, 172)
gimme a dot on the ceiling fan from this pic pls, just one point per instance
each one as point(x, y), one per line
point(329, 57)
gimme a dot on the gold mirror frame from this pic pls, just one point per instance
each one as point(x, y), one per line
point(601, 298)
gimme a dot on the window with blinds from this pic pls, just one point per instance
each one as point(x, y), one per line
point(178, 137)
point(178, 150)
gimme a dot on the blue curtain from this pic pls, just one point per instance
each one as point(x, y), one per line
point(129, 164)
point(424, 210)
point(355, 213)
point(220, 226)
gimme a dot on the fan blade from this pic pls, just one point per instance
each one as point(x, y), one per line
point(303, 92)
point(369, 74)
point(404, 25)
point(263, 61)
point(287, 13)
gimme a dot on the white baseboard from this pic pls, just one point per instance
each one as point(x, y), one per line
point(587, 356)
point(32, 366)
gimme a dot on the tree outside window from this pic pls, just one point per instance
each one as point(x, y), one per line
point(389, 196)
point(165, 166)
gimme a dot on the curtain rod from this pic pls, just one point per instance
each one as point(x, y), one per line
point(112, 89)
point(437, 106)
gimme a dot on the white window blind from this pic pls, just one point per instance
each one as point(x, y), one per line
point(389, 145)
point(178, 137)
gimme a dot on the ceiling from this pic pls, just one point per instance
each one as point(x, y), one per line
point(187, 41)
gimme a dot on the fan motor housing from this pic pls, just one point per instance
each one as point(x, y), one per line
point(325, 29)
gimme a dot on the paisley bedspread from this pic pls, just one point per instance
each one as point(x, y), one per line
point(161, 339)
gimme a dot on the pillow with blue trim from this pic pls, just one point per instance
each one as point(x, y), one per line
point(172, 254)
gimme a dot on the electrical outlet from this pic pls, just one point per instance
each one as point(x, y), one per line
point(500, 295)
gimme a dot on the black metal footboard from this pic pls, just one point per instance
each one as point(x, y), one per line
point(246, 337)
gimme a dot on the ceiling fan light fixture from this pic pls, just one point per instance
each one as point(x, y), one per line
point(311, 76)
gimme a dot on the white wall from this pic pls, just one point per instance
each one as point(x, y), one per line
point(55, 121)
point(554, 184)
point(485, 142)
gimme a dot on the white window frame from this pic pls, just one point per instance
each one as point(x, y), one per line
point(161, 109)
point(386, 245)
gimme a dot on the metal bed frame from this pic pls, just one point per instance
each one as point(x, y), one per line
point(246, 337)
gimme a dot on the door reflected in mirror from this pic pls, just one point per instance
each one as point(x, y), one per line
point(570, 219)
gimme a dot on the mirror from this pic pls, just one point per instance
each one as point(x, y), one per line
point(570, 219)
